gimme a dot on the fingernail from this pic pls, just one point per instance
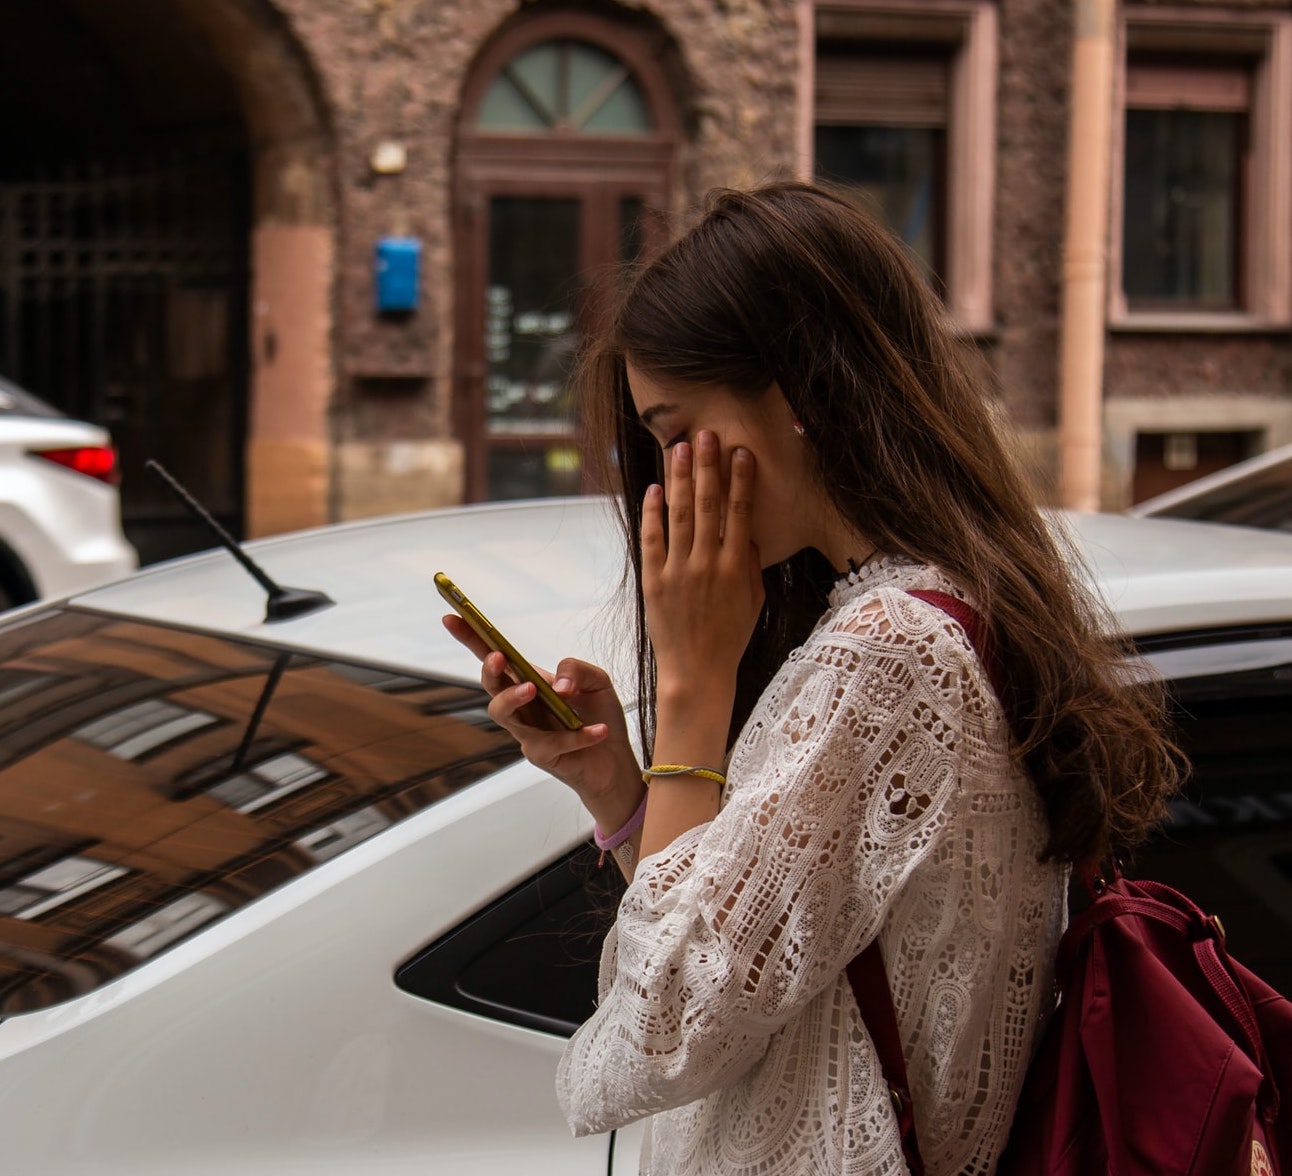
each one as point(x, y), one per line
point(706, 440)
point(742, 455)
point(681, 452)
point(562, 685)
point(654, 491)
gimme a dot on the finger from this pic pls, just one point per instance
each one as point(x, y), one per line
point(654, 546)
point(738, 530)
point(464, 634)
point(544, 749)
point(514, 707)
point(495, 674)
point(517, 710)
point(708, 492)
point(681, 502)
point(573, 676)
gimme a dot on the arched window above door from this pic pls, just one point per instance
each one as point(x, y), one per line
point(565, 86)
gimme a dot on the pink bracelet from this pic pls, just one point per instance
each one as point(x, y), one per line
point(615, 840)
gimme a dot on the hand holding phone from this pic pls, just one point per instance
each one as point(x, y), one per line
point(461, 604)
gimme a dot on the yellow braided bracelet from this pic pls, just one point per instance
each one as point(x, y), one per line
point(684, 770)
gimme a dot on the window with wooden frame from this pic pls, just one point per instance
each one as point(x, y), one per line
point(1201, 234)
point(904, 113)
point(881, 122)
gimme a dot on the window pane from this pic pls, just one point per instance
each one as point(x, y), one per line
point(541, 472)
point(537, 71)
point(604, 99)
point(624, 112)
point(898, 170)
point(531, 302)
point(506, 108)
point(1181, 226)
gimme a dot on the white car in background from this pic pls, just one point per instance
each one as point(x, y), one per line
point(276, 897)
point(60, 509)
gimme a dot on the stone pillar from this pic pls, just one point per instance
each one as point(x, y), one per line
point(288, 447)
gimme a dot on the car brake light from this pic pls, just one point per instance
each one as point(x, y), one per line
point(94, 461)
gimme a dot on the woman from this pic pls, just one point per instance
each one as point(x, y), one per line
point(825, 453)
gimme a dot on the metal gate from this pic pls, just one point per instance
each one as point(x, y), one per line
point(123, 291)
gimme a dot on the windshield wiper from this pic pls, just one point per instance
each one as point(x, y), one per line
point(284, 603)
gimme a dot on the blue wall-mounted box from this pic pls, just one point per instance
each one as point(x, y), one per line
point(397, 266)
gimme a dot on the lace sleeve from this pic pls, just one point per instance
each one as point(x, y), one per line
point(841, 784)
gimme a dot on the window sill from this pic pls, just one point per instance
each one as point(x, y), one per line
point(1186, 322)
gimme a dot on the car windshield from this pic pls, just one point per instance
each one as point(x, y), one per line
point(153, 780)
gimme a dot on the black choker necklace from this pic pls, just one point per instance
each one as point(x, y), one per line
point(854, 567)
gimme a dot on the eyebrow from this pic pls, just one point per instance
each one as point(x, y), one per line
point(657, 410)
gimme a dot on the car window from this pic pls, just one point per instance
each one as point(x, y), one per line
point(153, 780)
point(531, 958)
point(1228, 842)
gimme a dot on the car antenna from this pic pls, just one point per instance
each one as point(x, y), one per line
point(284, 603)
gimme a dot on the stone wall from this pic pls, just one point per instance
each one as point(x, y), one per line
point(393, 71)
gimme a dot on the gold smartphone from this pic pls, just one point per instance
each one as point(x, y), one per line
point(459, 602)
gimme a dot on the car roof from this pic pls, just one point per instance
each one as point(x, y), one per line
point(548, 573)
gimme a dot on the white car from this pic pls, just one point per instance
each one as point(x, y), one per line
point(60, 510)
point(276, 896)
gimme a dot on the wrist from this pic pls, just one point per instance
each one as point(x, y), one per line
point(612, 837)
point(613, 806)
point(686, 692)
point(695, 704)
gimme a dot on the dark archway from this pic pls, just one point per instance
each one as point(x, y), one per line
point(165, 169)
point(124, 219)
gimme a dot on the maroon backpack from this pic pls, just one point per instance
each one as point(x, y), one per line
point(1164, 1055)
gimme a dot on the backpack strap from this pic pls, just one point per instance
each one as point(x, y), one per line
point(975, 629)
point(866, 973)
point(874, 997)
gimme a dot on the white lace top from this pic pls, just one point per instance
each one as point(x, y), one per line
point(870, 794)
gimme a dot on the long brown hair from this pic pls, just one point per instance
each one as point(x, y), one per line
point(793, 285)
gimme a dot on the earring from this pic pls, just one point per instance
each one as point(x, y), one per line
point(799, 429)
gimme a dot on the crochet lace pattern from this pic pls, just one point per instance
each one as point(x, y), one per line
point(871, 793)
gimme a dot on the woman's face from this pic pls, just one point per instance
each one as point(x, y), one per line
point(789, 508)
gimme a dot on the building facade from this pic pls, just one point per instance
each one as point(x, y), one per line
point(330, 258)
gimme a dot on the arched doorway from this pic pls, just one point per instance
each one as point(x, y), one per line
point(565, 151)
point(141, 159)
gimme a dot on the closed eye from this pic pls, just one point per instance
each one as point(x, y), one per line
point(670, 443)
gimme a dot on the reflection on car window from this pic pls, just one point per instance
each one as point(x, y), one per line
point(153, 780)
